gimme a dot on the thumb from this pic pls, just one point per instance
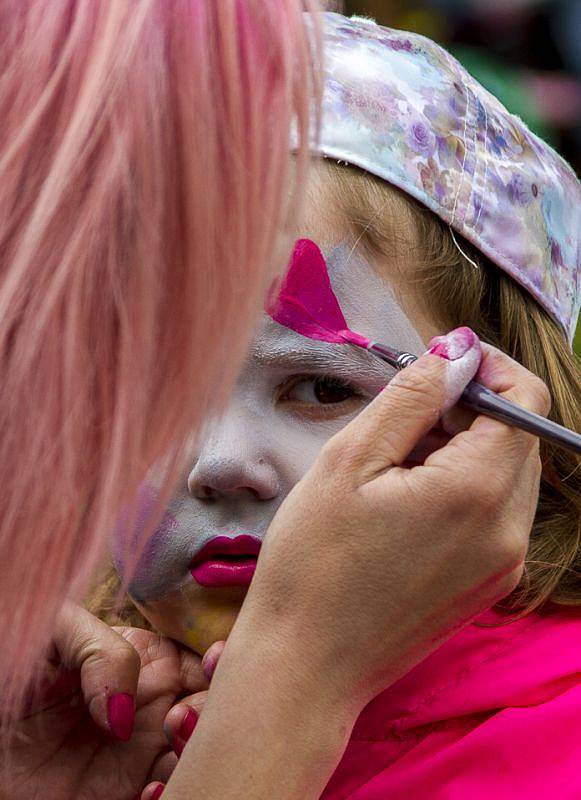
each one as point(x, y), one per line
point(385, 433)
point(108, 665)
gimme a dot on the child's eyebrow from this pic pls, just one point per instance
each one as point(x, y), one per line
point(338, 359)
point(274, 356)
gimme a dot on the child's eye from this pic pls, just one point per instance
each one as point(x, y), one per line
point(319, 396)
point(321, 390)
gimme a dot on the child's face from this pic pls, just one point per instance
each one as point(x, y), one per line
point(292, 396)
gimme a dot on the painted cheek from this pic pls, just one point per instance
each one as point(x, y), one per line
point(298, 444)
point(132, 526)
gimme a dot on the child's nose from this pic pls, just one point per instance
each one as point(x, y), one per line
point(234, 476)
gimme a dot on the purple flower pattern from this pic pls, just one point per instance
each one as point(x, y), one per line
point(399, 106)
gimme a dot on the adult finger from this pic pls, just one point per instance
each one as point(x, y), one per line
point(152, 791)
point(181, 720)
point(491, 441)
point(153, 647)
point(505, 376)
point(108, 665)
point(163, 767)
point(386, 432)
point(211, 658)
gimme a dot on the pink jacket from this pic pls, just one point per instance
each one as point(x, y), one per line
point(494, 714)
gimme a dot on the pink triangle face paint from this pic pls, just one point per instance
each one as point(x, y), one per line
point(307, 304)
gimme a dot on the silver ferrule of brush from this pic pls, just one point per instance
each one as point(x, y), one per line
point(396, 358)
point(484, 401)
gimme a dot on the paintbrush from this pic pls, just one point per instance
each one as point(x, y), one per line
point(307, 304)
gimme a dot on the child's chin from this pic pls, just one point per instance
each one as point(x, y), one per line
point(196, 622)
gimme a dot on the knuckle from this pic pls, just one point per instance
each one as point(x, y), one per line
point(540, 397)
point(483, 492)
point(508, 549)
point(532, 393)
point(340, 452)
point(418, 386)
point(191, 672)
point(512, 552)
point(510, 581)
point(123, 655)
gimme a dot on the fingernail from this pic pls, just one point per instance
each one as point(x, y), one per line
point(461, 350)
point(209, 663)
point(185, 730)
point(453, 345)
point(121, 715)
point(189, 722)
point(157, 792)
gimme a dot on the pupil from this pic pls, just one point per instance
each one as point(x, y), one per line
point(330, 391)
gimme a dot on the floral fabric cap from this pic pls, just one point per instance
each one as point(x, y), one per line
point(399, 106)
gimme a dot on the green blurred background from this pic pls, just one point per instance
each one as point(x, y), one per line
point(526, 52)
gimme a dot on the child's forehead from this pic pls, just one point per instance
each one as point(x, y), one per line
point(322, 220)
point(278, 349)
point(367, 300)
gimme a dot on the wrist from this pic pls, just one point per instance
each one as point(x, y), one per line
point(266, 706)
point(299, 664)
point(298, 675)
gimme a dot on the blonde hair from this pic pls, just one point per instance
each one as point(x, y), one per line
point(144, 187)
point(502, 313)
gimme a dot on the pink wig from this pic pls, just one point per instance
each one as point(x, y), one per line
point(144, 197)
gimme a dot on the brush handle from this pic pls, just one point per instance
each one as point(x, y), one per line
point(481, 399)
point(484, 401)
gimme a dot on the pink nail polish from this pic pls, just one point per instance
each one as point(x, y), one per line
point(157, 792)
point(178, 746)
point(188, 724)
point(185, 730)
point(461, 350)
point(121, 715)
point(454, 345)
point(209, 663)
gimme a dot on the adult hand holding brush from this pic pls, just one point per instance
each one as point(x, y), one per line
point(369, 564)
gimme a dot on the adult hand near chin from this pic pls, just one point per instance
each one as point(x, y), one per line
point(95, 729)
point(182, 719)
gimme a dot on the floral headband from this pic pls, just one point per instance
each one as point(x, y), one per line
point(399, 106)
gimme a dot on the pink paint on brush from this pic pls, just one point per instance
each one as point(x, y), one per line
point(306, 302)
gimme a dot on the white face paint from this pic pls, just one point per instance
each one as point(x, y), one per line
point(292, 396)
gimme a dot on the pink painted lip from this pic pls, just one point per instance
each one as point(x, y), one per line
point(226, 562)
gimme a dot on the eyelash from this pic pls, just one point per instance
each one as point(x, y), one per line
point(321, 410)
